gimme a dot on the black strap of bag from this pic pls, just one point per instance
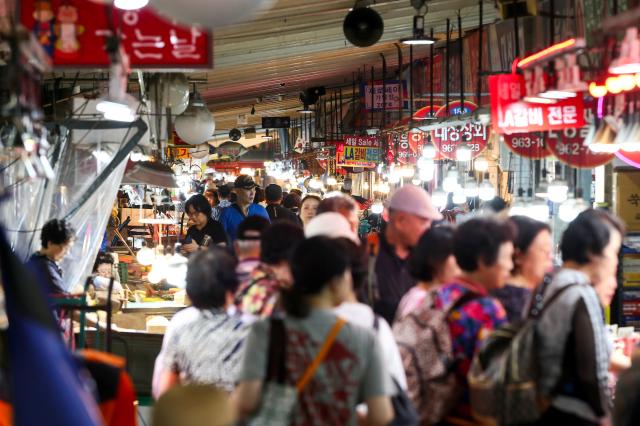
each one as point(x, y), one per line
point(276, 368)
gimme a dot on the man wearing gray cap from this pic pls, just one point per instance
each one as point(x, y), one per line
point(408, 215)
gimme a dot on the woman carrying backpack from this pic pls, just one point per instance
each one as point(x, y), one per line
point(439, 339)
point(573, 348)
point(310, 367)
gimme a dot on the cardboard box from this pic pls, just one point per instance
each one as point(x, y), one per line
point(627, 198)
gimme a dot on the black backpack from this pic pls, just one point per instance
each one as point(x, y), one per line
point(503, 374)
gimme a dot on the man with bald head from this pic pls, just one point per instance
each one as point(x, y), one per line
point(408, 215)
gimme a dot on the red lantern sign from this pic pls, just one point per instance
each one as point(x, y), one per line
point(631, 158)
point(448, 138)
point(568, 145)
point(528, 145)
point(409, 146)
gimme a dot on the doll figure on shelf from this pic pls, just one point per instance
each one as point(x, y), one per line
point(43, 25)
point(68, 30)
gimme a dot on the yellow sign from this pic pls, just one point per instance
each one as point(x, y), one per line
point(356, 156)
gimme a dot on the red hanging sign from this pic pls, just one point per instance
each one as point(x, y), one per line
point(447, 139)
point(568, 145)
point(409, 147)
point(528, 145)
point(509, 114)
point(73, 34)
point(631, 158)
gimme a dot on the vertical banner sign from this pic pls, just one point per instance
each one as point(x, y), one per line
point(568, 146)
point(448, 138)
point(392, 87)
point(358, 151)
point(73, 34)
point(509, 114)
point(410, 145)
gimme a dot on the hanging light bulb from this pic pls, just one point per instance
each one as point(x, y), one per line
point(558, 190)
point(481, 164)
point(429, 152)
point(519, 207)
point(571, 208)
point(365, 186)
point(426, 174)
point(158, 270)
point(542, 191)
point(471, 189)
point(130, 4)
point(394, 175)
point(176, 273)
point(439, 198)
point(463, 153)
point(416, 182)
point(407, 172)
point(315, 183)
point(450, 182)
point(145, 256)
point(377, 207)
point(538, 210)
point(332, 181)
point(486, 191)
point(458, 196)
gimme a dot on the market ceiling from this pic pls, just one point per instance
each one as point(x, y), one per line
point(300, 43)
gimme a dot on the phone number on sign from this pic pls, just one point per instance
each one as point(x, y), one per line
point(526, 142)
point(452, 147)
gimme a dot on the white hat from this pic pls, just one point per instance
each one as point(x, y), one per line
point(414, 200)
point(332, 225)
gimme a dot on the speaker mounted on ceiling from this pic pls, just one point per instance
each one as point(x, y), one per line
point(235, 135)
point(363, 26)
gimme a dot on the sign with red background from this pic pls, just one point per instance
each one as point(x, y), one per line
point(409, 147)
point(363, 141)
point(446, 139)
point(568, 145)
point(528, 145)
point(631, 158)
point(509, 114)
point(73, 34)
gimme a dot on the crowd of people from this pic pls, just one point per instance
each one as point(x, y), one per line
point(297, 319)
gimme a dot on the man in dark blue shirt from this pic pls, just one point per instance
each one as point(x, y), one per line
point(57, 238)
point(245, 189)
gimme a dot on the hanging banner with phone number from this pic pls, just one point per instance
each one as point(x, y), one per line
point(447, 139)
point(528, 145)
point(568, 144)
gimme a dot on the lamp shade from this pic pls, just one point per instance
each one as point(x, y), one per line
point(195, 126)
point(169, 90)
point(211, 13)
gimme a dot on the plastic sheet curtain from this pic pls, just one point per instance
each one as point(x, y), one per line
point(73, 195)
point(80, 167)
point(28, 204)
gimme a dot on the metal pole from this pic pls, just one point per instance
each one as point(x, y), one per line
point(341, 116)
point(411, 86)
point(480, 63)
point(460, 43)
point(446, 93)
point(399, 81)
point(373, 86)
point(431, 67)
point(384, 91)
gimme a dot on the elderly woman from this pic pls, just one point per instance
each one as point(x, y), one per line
point(573, 345)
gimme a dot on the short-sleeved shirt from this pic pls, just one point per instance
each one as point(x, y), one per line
point(232, 216)
point(208, 349)
point(213, 229)
point(393, 280)
point(277, 212)
point(352, 371)
point(469, 325)
point(259, 294)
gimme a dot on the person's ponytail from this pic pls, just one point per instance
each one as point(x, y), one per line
point(314, 263)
